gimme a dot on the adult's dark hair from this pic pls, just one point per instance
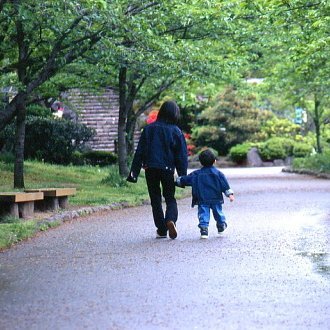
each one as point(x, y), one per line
point(169, 112)
point(207, 158)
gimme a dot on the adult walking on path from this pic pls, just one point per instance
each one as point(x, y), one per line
point(161, 150)
point(269, 270)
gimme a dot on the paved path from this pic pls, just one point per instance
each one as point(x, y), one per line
point(270, 269)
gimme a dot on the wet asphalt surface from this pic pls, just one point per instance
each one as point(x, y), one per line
point(269, 270)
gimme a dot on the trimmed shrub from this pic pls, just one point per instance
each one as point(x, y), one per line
point(39, 111)
point(208, 135)
point(288, 146)
point(239, 152)
point(316, 162)
point(302, 149)
point(50, 140)
point(279, 127)
point(273, 148)
point(7, 136)
point(94, 158)
point(77, 158)
point(55, 140)
point(100, 158)
point(7, 157)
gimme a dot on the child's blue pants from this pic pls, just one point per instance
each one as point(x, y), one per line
point(204, 214)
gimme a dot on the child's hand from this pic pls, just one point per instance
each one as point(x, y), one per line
point(231, 198)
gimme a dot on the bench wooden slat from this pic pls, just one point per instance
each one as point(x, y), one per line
point(19, 197)
point(54, 192)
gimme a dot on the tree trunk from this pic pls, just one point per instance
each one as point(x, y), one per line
point(317, 122)
point(23, 51)
point(19, 146)
point(130, 130)
point(122, 152)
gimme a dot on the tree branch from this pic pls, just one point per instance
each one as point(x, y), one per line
point(141, 84)
point(59, 41)
point(52, 67)
point(308, 5)
point(154, 97)
point(134, 10)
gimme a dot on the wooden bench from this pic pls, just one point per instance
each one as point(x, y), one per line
point(19, 204)
point(54, 198)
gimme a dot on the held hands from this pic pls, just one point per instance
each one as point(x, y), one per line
point(231, 197)
point(131, 178)
point(178, 183)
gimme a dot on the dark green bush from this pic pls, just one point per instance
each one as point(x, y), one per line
point(239, 152)
point(39, 111)
point(7, 139)
point(78, 158)
point(208, 135)
point(98, 157)
point(7, 157)
point(274, 148)
point(301, 149)
point(51, 140)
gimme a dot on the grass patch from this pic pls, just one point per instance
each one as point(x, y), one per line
point(95, 186)
point(14, 230)
point(11, 233)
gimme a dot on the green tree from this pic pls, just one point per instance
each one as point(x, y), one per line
point(296, 48)
point(232, 120)
point(143, 47)
point(165, 45)
point(38, 39)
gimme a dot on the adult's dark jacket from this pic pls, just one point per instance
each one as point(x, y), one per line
point(163, 146)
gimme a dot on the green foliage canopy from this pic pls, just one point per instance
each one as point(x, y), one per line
point(232, 120)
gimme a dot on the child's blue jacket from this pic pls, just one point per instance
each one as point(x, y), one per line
point(162, 146)
point(208, 184)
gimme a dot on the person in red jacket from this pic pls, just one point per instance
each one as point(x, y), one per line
point(161, 150)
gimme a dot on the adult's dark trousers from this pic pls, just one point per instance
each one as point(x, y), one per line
point(161, 183)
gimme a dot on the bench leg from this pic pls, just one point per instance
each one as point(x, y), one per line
point(63, 202)
point(26, 209)
point(9, 209)
point(13, 210)
point(47, 204)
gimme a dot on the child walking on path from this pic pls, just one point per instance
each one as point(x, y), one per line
point(161, 150)
point(208, 186)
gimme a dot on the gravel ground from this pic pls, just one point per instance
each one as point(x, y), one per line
point(269, 270)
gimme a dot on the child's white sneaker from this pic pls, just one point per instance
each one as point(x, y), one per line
point(221, 227)
point(204, 233)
